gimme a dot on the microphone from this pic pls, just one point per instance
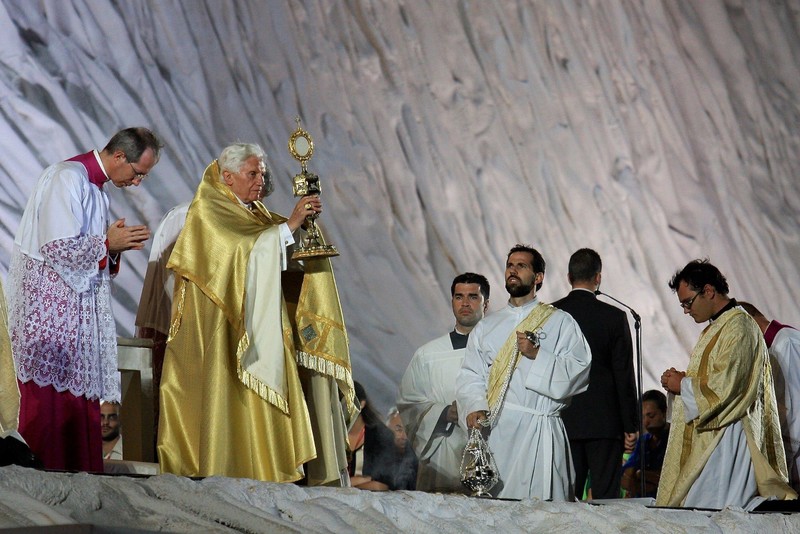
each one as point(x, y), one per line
point(638, 326)
point(636, 316)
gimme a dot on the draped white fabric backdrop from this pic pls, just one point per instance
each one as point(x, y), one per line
point(445, 132)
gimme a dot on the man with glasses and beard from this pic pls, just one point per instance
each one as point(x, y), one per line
point(724, 446)
point(549, 359)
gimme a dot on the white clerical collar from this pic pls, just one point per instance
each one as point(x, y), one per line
point(100, 162)
point(529, 304)
point(583, 289)
point(242, 203)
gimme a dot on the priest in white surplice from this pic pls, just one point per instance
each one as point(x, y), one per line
point(428, 390)
point(63, 335)
point(528, 441)
point(724, 445)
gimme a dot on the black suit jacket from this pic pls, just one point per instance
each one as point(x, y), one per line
point(608, 407)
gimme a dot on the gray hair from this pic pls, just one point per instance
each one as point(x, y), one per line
point(133, 142)
point(235, 155)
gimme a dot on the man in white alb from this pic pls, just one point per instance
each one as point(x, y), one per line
point(551, 365)
point(428, 391)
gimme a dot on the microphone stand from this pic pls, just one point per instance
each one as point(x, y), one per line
point(637, 324)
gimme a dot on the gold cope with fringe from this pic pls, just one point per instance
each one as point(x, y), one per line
point(210, 260)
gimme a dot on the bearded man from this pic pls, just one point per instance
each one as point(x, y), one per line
point(549, 359)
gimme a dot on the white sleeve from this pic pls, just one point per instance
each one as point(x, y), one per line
point(690, 411)
point(287, 239)
point(561, 368)
point(472, 379)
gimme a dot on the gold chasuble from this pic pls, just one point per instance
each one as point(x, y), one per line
point(232, 396)
point(732, 381)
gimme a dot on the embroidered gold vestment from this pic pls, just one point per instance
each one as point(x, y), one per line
point(732, 381)
point(232, 393)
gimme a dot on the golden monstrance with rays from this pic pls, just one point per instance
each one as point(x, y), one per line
point(301, 147)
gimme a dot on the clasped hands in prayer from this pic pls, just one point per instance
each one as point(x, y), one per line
point(671, 380)
point(121, 237)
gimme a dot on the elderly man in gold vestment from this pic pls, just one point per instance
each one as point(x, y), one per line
point(258, 358)
point(724, 445)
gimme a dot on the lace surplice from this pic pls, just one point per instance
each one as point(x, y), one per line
point(62, 329)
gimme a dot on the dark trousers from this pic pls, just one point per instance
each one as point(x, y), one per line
point(603, 459)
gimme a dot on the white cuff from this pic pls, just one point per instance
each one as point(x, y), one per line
point(287, 239)
point(689, 403)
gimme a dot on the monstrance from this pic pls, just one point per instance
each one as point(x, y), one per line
point(301, 147)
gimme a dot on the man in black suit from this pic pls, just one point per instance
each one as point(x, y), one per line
point(603, 421)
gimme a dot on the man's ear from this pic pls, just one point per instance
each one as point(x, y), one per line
point(712, 288)
point(227, 177)
point(118, 159)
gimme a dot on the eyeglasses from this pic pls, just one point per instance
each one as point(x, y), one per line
point(137, 174)
point(687, 304)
